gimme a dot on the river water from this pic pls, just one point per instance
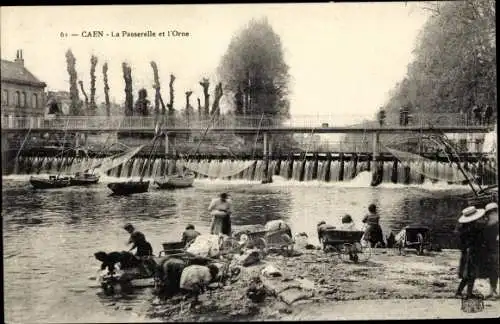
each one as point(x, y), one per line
point(50, 236)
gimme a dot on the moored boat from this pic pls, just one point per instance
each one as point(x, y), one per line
point(175, 181)
point(84, 179)
point(50, 183)
point(129, 187)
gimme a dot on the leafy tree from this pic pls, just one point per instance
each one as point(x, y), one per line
point(455, 61)
point(76, 106)
point(254, 64)
point(92, 108)
point(142, 104)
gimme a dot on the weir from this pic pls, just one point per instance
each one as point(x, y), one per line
point(326, 169)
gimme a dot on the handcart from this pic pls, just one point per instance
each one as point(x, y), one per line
point(413, 237)
point(267, 241)
point(174, 247)
point(346, 244)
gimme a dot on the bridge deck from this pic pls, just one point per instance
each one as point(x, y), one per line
point(449, 123)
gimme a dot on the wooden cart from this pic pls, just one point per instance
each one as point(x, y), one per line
point(413, 237)
point(346, 244)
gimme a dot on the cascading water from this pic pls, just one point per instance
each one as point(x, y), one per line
point(294, 170)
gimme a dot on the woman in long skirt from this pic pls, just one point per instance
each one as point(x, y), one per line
point(474, 254)
point(221, 210)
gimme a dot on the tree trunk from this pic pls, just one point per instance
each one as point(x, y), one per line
point(218, 96)
point(171, 92)
point(156, 86)
point(129, 97)
point(84, 95)
point(93, 107)
point(106, 89)
point(205, 84)
point(188, 106)
point(200, 111)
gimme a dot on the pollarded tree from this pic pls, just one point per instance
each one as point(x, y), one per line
point(254, 64)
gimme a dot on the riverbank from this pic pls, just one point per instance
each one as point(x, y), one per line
point(320, 286)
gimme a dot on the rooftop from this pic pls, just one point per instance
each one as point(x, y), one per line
point(16, 73)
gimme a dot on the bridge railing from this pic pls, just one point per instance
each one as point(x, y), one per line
point(149, 123)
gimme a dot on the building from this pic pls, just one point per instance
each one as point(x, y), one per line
point(22, 93)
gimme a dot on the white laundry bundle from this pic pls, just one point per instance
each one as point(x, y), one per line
point(194, 277)
point(275, 225)
point(206, 245)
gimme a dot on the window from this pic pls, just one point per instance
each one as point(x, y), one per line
point(23, 100)
point(17, 99)
point(34, 101)
point(5, 97)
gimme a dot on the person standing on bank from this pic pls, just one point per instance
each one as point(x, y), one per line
point(474, 253)
point(221, 210)
point(373, 231)
point(490, 235)
point(139, 241)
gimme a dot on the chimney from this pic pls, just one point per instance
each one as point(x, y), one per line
point(19, 57)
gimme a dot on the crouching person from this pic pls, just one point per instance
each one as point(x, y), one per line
point(168, 274)
point(196, 278)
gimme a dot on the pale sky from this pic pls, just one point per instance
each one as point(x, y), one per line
point(343, 57)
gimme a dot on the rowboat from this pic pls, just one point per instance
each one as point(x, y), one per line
point(129, 187)
point(175, 181)
point(50, 183)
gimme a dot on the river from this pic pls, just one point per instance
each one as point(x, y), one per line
point(50, 236)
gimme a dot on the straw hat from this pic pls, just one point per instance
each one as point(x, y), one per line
point(471, 214)
point(493, 217)
point(491, 206)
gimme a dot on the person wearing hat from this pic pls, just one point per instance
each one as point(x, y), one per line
point(138, 241)
point(471, 226)
point(490, 235)
point(221, 210)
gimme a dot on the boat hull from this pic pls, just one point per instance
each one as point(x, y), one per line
point(84, 181)
point(128, 188)
point(41, 183)
point(174, 183)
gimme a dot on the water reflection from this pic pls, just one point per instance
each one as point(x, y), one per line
point(47, 264)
